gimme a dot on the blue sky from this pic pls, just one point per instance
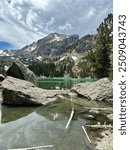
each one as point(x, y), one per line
point(5, 45)
point(25, 21)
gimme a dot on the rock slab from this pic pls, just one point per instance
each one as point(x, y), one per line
point(18, 70)
point(99, 90)
point(21, 92)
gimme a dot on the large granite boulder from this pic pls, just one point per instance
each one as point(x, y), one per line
point(21, 92)
point(99, 90)
point(18, 70)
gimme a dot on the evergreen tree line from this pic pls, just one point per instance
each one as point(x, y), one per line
point(46, 69)
point(50, 69)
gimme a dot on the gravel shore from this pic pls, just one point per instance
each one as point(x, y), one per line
point(106, 143)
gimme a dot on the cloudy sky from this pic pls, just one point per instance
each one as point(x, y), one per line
point(25, 21)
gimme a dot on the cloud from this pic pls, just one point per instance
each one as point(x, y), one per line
point(65, 26)
point(25, 21)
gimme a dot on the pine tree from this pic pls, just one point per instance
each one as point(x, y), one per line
point(104, 47)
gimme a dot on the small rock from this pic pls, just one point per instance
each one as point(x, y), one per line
point(98, 123)
point(90, 116)
point(94, 111)
point(107, 132)
point(110, 116)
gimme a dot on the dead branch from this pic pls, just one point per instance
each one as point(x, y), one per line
point(100, 126)
point(86, 134)
point(71, 116)
point(33, 148)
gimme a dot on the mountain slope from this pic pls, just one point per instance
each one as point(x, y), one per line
point(50, 46)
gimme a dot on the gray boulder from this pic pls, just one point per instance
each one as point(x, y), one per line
point(18, 70)
point(21, 92)
point(99, 90)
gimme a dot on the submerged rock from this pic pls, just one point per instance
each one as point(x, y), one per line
point(21, 92)
point(99, 90)
point(18, 70)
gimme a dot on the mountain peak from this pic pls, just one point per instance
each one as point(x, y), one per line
point(53, 45)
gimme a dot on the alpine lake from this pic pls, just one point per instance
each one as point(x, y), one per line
point(24, 127)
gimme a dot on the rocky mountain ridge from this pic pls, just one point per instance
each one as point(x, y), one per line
point(51, 46)
point(64, 51)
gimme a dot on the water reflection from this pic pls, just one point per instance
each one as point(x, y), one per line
point(35, 130)
point(29, 126)
point(58, 110)
point(10, 113)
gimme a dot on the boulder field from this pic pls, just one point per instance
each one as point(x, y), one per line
point(21, 92)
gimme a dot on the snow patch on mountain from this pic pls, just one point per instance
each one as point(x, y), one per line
point(62, 58)
point(39, 58)
point(6, 53)
point(74, 58)
point(30, 48)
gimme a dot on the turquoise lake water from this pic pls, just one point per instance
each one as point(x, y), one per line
point(60, 83)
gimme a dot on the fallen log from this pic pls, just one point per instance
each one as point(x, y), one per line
point(99, 126)
point(33, 148)
point(71, 116)
point(100, 109)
